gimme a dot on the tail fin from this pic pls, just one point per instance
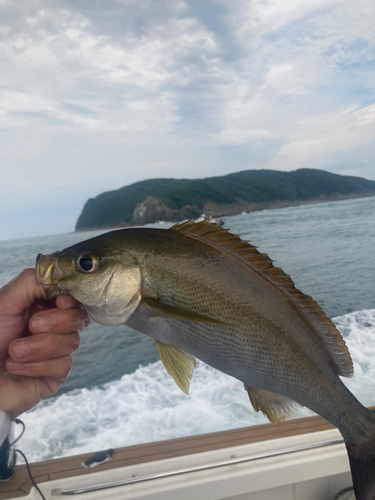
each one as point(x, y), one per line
point(362, 465)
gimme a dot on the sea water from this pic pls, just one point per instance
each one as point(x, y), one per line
point(119, 394)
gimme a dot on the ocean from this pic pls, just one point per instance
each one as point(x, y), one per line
point(119, 394)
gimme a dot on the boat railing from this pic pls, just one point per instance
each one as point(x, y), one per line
point(178, 472)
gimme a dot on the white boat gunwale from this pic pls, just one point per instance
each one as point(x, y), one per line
point(68, 467)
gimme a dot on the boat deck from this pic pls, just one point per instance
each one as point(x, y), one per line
point(56, 469)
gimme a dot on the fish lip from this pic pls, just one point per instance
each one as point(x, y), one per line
point(48, 275)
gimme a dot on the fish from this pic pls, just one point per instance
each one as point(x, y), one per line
point(202, 292)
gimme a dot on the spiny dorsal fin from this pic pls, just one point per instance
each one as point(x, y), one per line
point(178, 364)
point(277, 408)
point(261, 263)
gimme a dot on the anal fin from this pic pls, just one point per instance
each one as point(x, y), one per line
point(277, 408)
point(178, 364)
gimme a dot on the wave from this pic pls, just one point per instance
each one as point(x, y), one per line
point(147, 405)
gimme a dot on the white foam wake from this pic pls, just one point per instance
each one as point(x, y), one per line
point(358, 329)
point(148, 406)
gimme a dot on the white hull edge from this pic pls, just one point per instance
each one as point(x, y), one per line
point(276, 469)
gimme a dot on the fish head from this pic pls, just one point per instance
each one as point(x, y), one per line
point(106, 282)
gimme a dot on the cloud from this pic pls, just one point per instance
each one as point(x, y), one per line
point(98, 95)
point(325, 134)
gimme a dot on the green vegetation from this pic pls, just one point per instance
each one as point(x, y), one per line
point(114, 208)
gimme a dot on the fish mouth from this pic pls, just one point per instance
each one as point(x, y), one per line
point(48, 275)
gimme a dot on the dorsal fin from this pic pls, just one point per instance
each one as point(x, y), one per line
point(261, 263)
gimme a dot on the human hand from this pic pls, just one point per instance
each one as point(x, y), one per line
point(36, 341)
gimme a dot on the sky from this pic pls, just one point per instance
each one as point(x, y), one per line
point(95, 95)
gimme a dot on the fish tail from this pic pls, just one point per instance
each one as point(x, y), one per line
point(362, 465)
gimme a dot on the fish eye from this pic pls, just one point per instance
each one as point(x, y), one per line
point(87, 263)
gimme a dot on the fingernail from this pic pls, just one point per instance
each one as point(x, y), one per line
point(22, 349)
point(41, 324)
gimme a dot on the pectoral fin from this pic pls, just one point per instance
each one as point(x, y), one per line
point(277, 408)
point(180, 365)
point(175, 312)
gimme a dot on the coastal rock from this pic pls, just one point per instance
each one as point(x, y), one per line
point(152, 209)
point(222, 210)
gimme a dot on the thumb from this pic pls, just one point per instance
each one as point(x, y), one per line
point(19, 294)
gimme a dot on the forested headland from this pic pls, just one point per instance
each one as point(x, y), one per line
point(178, 199)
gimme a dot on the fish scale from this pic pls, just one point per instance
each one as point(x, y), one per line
point(201, 292)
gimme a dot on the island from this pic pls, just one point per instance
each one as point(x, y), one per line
point(179, 199)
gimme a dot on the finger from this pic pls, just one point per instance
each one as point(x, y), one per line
point(67, 302)
point(47, 387)
point(16, 298)
point(38, 306)
point(42, 347)
point(56, 369)
point(59, 321)
point(21, 292)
